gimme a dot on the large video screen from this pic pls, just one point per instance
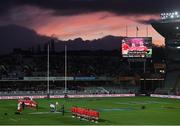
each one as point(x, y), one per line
point(139, 47)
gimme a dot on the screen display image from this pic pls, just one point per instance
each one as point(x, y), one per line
point(137, 47)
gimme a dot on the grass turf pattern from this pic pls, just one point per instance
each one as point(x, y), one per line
point(113, 111)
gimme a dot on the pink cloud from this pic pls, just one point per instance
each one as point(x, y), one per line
point(96, 25)
point(87, 26)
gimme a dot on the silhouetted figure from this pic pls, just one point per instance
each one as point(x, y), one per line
point(143, 107)
point(23, 105)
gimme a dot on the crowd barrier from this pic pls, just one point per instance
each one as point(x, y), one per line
point(69, 96)
point(165, 96)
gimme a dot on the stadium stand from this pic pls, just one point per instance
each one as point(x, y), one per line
point(103, 66)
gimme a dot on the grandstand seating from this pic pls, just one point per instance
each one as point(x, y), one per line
point(36, 65)
point(87, 90)
point(171, 79)
point(80, 65)
point(164, 91)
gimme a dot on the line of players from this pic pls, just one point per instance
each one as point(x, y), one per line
point(84, 113)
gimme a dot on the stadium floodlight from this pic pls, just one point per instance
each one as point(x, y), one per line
point(172, 16)
point(177, 28)
point(176, 13)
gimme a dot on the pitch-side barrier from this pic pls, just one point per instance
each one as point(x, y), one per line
point(165, 96)
point(69, 96)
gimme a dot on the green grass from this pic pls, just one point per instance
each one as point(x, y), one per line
point(113, 111)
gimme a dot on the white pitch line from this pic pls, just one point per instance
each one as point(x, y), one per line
point(39, 113)
point(14, 120)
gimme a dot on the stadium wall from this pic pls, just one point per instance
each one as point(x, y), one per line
point(165, 96)
point(69, 96)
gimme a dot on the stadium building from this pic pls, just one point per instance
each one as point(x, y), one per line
point(94, 75)
point(169, 28)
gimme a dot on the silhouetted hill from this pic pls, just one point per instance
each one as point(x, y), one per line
point(13, 36)
point(105, 43)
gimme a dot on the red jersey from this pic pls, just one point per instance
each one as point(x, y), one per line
point(125, 46)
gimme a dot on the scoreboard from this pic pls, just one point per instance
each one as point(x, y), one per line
point(137, 47)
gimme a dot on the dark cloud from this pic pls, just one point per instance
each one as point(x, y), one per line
point(13, 36)
point(70, 7)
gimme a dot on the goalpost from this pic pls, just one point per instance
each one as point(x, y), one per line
point(48, 94)
point(65, 73)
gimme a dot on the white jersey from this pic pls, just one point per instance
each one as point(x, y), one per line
point(19, 106)
point(52, 106)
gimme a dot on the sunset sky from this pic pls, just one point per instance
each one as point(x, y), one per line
point(88, 19)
